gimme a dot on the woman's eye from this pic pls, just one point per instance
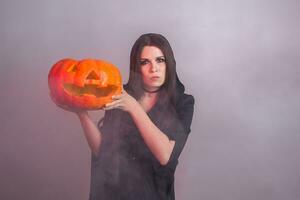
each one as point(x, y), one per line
point(160, 60)
point(143, 62)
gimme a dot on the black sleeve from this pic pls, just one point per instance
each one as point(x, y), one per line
point(104, 121)
point(105, 126)
point(180, 130)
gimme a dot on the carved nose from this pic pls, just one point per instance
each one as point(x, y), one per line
point(93, 75)
point(92, 78)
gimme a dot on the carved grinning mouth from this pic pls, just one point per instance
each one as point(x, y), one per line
point(90, 90)
point(92, 87)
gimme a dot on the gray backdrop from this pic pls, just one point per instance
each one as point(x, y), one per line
point(240, 60)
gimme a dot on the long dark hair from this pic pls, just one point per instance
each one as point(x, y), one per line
point(172, 86)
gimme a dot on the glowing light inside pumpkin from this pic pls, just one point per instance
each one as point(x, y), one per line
point(94, 85)
point(92, 90)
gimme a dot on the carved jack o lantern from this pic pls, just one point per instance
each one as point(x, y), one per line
point(85, 84)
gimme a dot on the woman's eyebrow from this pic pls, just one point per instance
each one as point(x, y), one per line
point(155, 57)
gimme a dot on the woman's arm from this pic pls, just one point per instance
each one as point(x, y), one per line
point(158, 143)
point(91, 132)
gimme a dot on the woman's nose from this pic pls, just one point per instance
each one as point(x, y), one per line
point(154, 67)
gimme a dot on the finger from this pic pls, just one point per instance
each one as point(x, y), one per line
point(67, 107)
point(114, 103)
point(115, 97)
point(123, 90)
point(109, 108)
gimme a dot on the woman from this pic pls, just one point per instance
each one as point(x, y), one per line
point(136, 148)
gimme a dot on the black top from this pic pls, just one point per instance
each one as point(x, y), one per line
point(125, 168)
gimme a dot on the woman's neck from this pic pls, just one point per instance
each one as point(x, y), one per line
point(148, 100)
point(150, 95)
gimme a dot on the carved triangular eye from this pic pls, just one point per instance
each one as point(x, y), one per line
point(73, 68)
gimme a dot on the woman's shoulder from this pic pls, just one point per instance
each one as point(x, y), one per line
point(185, 100)
point(185, 110)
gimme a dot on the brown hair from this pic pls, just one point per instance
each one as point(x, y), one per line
point(172, 86)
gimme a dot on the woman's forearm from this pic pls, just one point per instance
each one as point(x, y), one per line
point(91, 132)
point(158, 143)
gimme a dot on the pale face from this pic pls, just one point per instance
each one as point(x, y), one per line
point(153, 67)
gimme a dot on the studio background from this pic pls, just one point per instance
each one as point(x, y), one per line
point(240, 60)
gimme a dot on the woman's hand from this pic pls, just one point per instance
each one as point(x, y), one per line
point(123, 101)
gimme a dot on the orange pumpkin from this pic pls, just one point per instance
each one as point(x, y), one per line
point(85, 84)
